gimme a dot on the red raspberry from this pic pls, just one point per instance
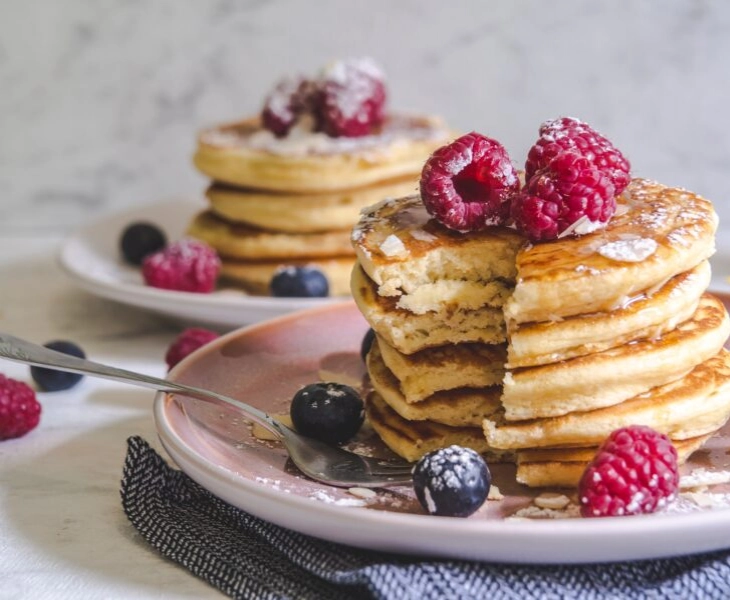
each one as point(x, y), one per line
point(634, 472)
point(289, 99)
point(556, 197)
point(351, 99)
point(468, 183)
point(19, 409)
point(186, 266)
point(186, 343)
point(567, 133)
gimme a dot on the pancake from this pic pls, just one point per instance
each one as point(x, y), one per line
point(244, 154)
point(612, 376)
point(424, 265)
point(443, 368)
point(656, 233)
point(234, 240)
point(458, 407)
point(301, 213)
point(255, 276)
point(564, 468)
point(409, 332)
point(647, 315)
point(412, 439)
point(694, 405)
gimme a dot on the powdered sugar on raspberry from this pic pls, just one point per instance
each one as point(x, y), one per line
point(356, 79)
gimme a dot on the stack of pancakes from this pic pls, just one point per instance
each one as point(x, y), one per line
point(536, 353)
point(278, 202)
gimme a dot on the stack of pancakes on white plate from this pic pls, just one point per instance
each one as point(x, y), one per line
point(292, 199)
point(535, 353)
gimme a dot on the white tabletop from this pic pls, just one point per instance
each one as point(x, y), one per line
point(63, 533)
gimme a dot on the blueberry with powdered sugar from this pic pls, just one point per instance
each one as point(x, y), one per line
point(329, 412)
point(452, 481)
point(299, 282)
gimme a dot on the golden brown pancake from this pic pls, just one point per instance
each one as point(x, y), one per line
point(656, 233)
point(244, 154)
point(444, 367)
point(409, 332)
point(413, 439)
point(612, 376)
point(647, 315)
point(234, 240)
point(303, 212)
point(458, 407)
point(696, 404)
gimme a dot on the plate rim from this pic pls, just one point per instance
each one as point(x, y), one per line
point(665, 528)
point(152, 298)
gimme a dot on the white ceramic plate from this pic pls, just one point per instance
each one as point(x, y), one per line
point(266, 363)
point(91, 258)
point(721, 264)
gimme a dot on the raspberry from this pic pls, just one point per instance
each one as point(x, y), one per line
point(567, 133)
point(569, 189)
point(19, 409)
point(468, 183)
point(351, 99)
point(186, 266)
point(290, 98)
point(186, 343)
point(634, 472)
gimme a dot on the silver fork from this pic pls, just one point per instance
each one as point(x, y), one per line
point(328, 464)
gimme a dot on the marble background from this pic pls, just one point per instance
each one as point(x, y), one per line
point(100, 101)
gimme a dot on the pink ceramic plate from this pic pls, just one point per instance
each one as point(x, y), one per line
point(266, 363)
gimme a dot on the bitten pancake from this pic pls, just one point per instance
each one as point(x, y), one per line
point(424, 265)
point(656, 233)
point(458, 407)
point(564, 467)
point(647, 315)
point(413, 439)
point(301, 213)
point(610, 377)
point(255, 276)
point(444, 368)
point(244, 154)
point(694, 405)
point(409, 332)
point(233, 240)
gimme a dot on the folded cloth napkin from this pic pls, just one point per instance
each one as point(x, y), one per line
point(246, 557)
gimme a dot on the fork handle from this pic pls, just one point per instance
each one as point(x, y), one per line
point(20, 350)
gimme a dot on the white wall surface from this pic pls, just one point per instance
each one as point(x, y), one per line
point(100, 101)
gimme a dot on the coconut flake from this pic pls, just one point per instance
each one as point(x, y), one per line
point(393, 246)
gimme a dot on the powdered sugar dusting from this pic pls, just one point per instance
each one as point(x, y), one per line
point(629, 250)
point(327, 498)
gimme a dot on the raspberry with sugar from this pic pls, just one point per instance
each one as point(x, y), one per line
point(567, 133)
point(634, 472)
point(20, 410)
point(186, 266)
point(350, 100)
point(186, 343)
point(467, 185)
point(571, 195)
point(289, 99)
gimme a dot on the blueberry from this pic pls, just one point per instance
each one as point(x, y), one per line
point(451, 482)
point(367, 343)
point(50, 380)
point(329, 412)
point(139, 240)
point(299, 282)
